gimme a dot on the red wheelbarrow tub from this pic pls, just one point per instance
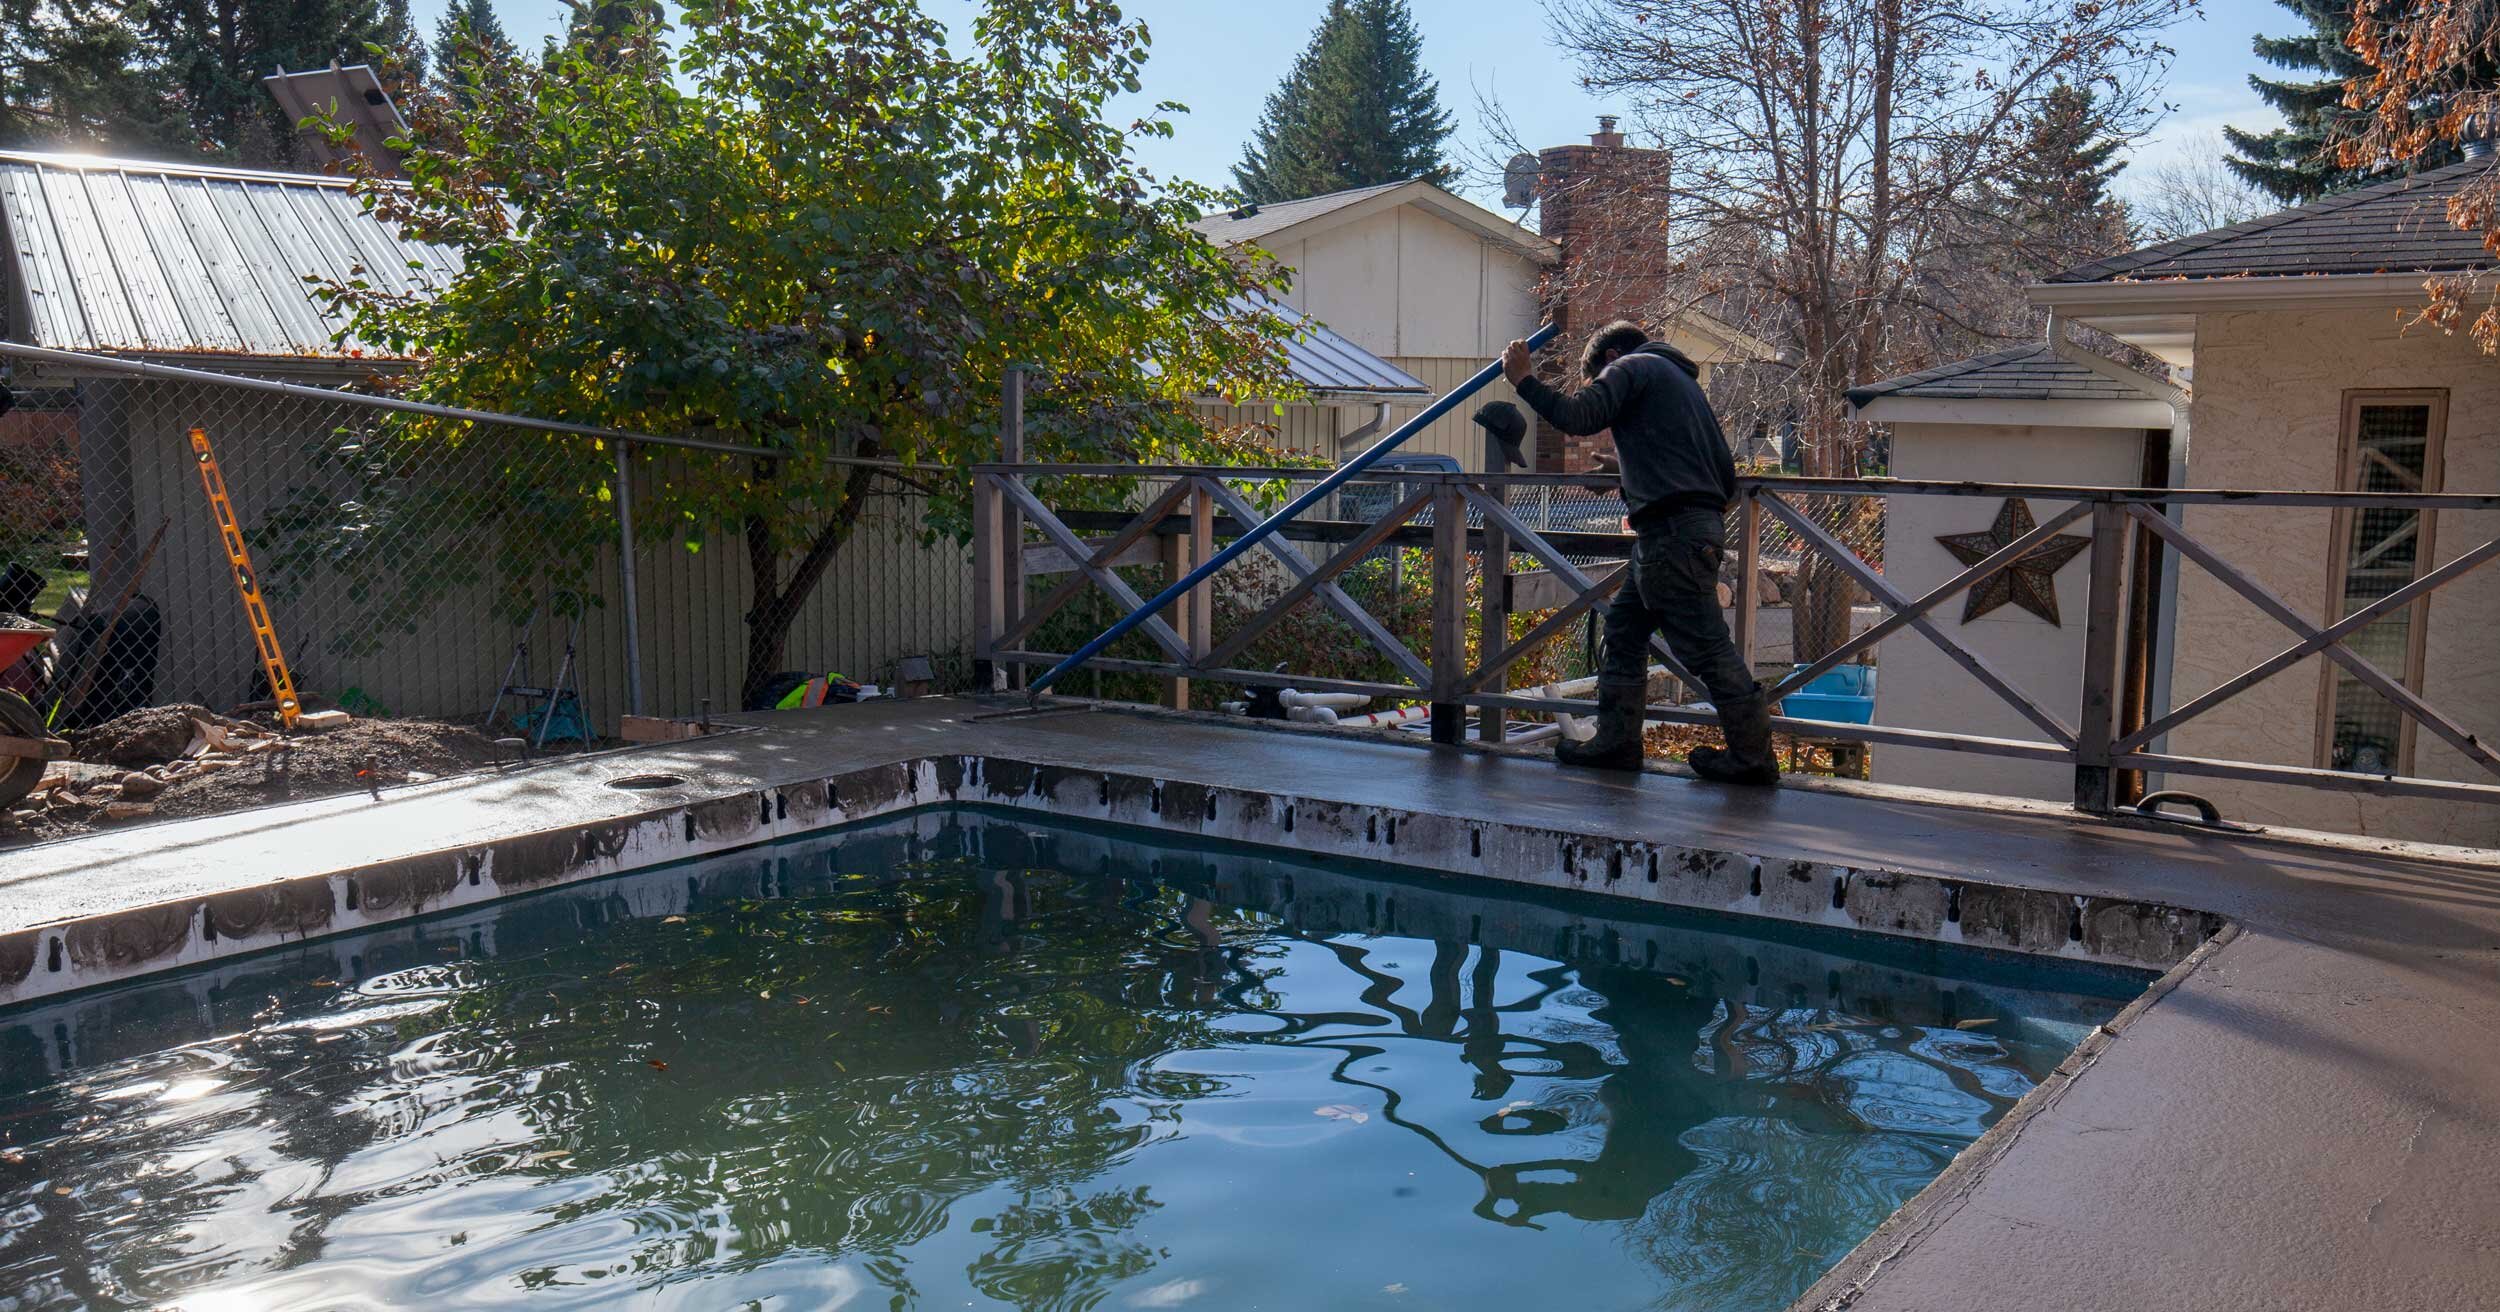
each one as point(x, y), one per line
point(25, 743)
point(15, 642)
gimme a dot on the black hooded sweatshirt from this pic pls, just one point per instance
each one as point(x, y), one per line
point(1673, 455)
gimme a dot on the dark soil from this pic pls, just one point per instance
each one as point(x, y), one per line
point(151, 735)
point(356, 756)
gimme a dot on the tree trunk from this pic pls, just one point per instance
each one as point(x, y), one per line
point(776, 604)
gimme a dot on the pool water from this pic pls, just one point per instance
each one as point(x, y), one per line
point(963, 1060)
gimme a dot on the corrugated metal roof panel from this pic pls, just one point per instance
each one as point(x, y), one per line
point(116, 255)
point(1323, 360)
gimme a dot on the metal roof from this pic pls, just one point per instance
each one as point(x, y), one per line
point(2399, 226)
point(176, 259)
point(2026, 373)
point(1251, 222)
point(180, 260)
point(1325, 361)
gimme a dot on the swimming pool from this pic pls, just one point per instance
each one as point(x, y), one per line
point(961, 1058)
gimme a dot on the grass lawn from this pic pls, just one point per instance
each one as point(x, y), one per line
point(55, 594)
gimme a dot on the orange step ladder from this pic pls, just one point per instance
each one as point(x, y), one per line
point(246, 581)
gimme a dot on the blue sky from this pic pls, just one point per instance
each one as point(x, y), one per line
point(1221, 58)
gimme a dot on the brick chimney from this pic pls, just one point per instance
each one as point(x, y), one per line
point(1605, 205)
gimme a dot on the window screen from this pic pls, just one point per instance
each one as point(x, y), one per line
point(2393, 448)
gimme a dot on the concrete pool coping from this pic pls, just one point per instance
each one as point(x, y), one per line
point(2307, 1118)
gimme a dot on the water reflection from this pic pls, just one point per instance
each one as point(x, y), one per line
point(957, 1060)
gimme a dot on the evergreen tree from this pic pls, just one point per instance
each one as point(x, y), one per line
point(1356, 110)
point(72, 75)
point(215, 52)
point(2295, 162)
point(468, 29)
point(2058, 192)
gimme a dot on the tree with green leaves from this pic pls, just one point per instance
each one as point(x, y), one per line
point(73, 74)
point(468, 37)
point(1356, 110)
point(824, 235)
point(2299, 161)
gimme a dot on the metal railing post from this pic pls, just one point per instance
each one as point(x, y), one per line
point(2096, 784)
point(1449, 614)
point(625, 575)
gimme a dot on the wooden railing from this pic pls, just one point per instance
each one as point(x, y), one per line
point(1467, 519)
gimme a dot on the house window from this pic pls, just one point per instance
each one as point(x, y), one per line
point(2392, 443)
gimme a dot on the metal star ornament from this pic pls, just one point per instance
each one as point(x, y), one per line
point(2030, 582)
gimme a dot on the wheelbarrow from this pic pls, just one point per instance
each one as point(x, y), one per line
point(26, 743)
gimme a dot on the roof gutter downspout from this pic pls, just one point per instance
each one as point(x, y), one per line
point(2166, 616)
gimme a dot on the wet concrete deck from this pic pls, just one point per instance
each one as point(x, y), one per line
point(2309, 1118)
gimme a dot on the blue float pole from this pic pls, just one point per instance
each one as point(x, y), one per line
point(1269, 525)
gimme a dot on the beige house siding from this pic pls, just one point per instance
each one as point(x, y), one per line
point(2268, 413)
point(1407, 283)
point(1918, 686)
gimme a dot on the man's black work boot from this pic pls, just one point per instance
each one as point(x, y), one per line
point(1748, 758)
point(1617, 745)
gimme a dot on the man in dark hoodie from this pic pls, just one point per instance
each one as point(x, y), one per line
point(1678, 480)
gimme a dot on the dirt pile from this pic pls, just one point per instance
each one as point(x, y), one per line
point(165, 761)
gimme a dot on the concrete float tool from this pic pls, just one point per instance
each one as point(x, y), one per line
point(1267, 527)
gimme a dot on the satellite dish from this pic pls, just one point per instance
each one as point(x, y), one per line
point(1519, 181)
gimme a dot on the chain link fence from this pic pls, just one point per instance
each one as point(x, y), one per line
point(414, 566)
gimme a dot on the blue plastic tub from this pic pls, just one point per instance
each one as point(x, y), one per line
point(1843, 695)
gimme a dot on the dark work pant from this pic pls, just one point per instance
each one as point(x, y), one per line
point(1674, 592)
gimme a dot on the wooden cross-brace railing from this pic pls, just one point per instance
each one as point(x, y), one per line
point(2095, 744)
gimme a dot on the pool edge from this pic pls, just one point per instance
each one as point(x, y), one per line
point(119, 944)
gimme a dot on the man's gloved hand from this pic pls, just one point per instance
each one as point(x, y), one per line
point(1506, 425)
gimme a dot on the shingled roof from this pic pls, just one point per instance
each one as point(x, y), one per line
point(1251, 222)
point(2026, 373)
point(2399, 226)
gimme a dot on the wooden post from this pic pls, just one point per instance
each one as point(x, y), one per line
point(1449, 614)
point(1493, 624)
point(1175, 549)
point(1010, 559)
point(989, 603)
point(2104, 622)
point(1197, 620)
point(1748, 575)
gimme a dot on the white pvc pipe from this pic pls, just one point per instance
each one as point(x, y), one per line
point(1386, 719)
point(1335, 701)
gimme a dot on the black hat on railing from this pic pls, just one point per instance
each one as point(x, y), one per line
point(1507, 426)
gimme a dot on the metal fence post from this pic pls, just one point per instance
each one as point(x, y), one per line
point(1449, 614)
point(625, 575)
point(2095, 783)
